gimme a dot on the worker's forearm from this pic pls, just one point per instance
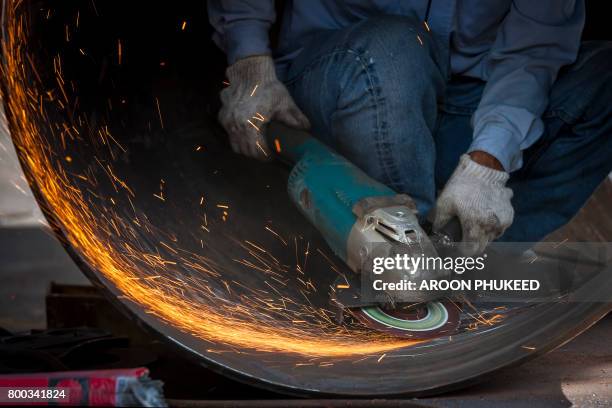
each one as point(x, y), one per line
point(535, 40)
point(485, 159)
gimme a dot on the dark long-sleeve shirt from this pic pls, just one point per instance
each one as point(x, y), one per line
point(517, 46)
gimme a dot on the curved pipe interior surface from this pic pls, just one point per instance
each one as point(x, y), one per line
point(111, 108)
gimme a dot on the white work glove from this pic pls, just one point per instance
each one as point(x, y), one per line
point(254, 97)
point(478, 196)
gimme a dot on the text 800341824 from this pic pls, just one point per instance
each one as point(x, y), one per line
point(14, 395)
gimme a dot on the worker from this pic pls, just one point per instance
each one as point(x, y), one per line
point(496, 103)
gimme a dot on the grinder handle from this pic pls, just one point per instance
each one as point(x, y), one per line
point(286, 141)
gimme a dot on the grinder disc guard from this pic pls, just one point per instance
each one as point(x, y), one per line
point(111, 106)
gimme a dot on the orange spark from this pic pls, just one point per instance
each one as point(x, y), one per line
point(161, 120)
point(119, 51)
point(252, 124)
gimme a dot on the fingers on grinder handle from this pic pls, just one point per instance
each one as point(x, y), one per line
point(451, 231)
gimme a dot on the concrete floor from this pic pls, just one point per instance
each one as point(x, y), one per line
point(577, 374)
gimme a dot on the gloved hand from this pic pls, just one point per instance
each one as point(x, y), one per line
point(254, 97)
point(478, 196)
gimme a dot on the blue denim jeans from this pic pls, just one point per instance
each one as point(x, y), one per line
point(384, 100)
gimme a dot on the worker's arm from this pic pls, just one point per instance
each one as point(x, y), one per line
point(242, 26)
point(536, 38)
point(534, 41)
point(254, 95)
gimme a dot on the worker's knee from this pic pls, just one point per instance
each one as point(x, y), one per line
point(399, 49)
point(390, 58)
point(371, 92)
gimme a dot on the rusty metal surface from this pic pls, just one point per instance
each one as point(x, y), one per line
point(201, 246)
